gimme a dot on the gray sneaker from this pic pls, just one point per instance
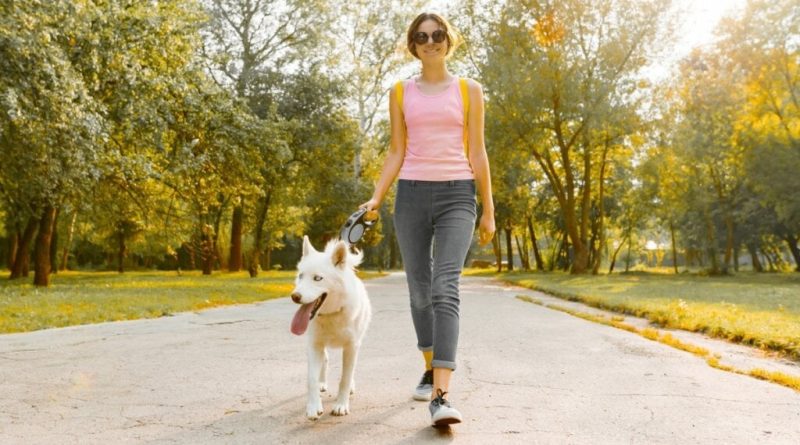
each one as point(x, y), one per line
point(425, 388)
point(442, 414)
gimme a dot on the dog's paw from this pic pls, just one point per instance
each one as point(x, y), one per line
point(314, 410)
point(341, 409)
point(323, 387)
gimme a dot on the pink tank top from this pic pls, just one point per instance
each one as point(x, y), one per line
point(435, 132)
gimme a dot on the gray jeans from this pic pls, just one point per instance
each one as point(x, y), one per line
point(434, 221)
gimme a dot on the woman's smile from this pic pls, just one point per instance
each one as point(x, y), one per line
point(433, 50)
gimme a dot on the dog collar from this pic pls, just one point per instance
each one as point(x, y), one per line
point(332, 313)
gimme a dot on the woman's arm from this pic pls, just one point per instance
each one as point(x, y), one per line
point(480, 161)
point(395, 156)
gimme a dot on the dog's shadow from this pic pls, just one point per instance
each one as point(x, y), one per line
point(277, 423)
point(332, 429)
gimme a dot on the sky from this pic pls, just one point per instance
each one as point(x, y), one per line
point(697, 30)
point(703, 17)
point(698, 27)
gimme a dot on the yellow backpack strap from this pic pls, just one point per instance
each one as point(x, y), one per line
point(399, 94)
point(465, 100)
point(398, 91)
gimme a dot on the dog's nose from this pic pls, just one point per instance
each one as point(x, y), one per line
point(296, 297)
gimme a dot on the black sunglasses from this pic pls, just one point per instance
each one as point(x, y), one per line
point(421, 38)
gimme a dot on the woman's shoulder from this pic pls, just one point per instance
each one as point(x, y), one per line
point(401, 83)
point(472, 84)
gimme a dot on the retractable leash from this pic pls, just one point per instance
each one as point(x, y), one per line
point(353, 229)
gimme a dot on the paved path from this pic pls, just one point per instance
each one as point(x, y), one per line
point(235, 375)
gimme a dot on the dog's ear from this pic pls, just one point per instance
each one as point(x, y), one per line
point(339, 257)
point(307, 247)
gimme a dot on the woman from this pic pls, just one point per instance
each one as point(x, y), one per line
point(435, 209)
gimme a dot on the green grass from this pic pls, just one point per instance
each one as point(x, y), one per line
point(762, 310)
point(75, 298)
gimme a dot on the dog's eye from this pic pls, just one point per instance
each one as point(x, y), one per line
point(317, 278)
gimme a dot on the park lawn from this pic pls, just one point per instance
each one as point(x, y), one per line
point(761, 310)
point(75, 298)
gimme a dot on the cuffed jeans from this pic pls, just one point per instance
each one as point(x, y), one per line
point(434, 221)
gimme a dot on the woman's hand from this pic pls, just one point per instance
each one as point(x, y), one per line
point(486, 229)
point(370, 205)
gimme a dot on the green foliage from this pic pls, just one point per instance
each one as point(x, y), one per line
point(563, 93)
point(49, 122)
point(153, 121)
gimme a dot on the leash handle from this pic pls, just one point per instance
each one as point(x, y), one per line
point(353, 229)
point(371, 216)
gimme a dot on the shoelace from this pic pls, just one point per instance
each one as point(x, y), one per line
point(440, 400)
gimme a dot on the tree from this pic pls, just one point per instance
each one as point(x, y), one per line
point(246, 42)
point(47, 108)
point(370, 56)
point(762, 47)
point(562, 71)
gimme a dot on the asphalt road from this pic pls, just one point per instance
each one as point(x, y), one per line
point(236, 375)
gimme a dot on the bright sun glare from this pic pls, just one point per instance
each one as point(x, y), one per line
point(697, 30)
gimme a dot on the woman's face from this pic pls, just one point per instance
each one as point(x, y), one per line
point(430, 50)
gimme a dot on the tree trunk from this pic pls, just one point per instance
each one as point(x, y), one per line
point(555, 256)
point(498, 252)
point(674, 248)
point(54, 245)
point(235, 260)
point(21, 262)
point(207, 247)
point(523, 255)
point(261, 218)
point(628, 258)
point(729, 231)
point(42, 265)
point(593, 245)
point(602, 208)
point(792, 242)
point(13, 245)
point(614, 256)
point(510, 251)
point(712, 249)
point(217, 259)
point(68, 243)
point(771, 265)
point(536, 254)
point(122, 250)
point(751, 247)
point(580, 259)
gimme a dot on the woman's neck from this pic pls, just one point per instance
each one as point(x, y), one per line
point(434, 73)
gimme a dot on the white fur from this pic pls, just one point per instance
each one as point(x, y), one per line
point(341, 322)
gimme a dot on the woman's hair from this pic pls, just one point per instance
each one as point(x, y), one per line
point(453, 39)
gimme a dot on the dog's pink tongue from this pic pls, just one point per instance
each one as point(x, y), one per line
point(301, 319)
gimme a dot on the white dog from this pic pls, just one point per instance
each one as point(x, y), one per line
point(334, 302)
